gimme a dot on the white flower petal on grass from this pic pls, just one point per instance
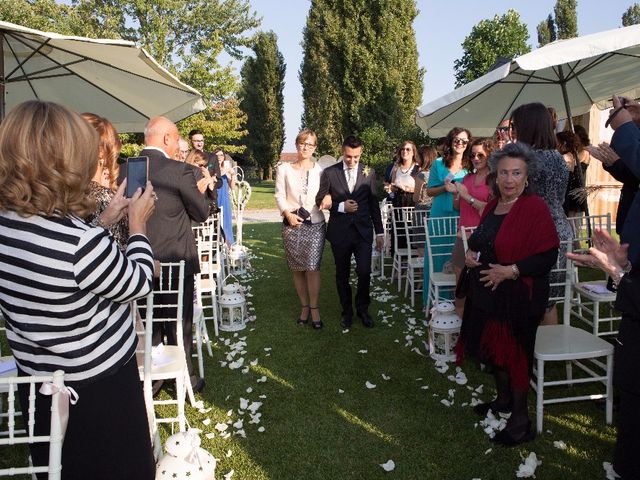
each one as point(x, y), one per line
point(261, 429)
point(244, 403)
point(528, 468)
point(479, 389)
point(370, 385)
point(424, 387)
point(488, 451)
point(210, 435)
point(442, 367)
point(609, 471)
point(255, 418)
point(206, 421)
point(346, 330)
point(262, 396)
point(253, 363)
point(255, 406)
point(461, 378)
point(451, 378)
point(267, 349)
point(237, 364)
point(221, 427)
point(415, 349)
point(560, 445)
point(229, 413)
point(388, 466)
point(249, 390)
point(386, 377)
point(229, 453)
point(205, 410)
point(227, 476)
point(238, 424)
point(262, 379)
point(241, 433)
point(340, 391)
point(446, 402)
point(245, 370)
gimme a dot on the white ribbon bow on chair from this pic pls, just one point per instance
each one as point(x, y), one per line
point(68, 395)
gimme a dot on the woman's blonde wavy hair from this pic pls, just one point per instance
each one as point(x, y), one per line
point(48, 155)
point(110, 145)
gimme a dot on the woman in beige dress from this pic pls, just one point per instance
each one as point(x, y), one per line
point(303, 228)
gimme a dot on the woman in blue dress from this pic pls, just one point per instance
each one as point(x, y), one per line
point(450, 168)
point(224, 195)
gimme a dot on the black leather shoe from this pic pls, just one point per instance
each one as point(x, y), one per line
point(367, 321)
point(345, 322)
point(516, 436)
point(483, 408)
point(198, 386)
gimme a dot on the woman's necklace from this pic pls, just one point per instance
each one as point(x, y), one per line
point(404, 172)
point(502, 202)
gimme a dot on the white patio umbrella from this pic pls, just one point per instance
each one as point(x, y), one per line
point(569, 75)
point(112, 78)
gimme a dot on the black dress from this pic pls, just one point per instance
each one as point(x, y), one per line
point(499, 327)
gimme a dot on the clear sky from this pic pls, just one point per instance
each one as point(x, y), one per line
point(440, 30)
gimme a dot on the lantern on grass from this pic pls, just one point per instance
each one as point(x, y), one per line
point(236, 257)
point(375, 263)
point(444, 330)
point(186, 459)
point(233, 306)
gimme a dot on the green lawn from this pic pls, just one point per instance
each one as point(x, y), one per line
point(262, 195)
point(313, 431)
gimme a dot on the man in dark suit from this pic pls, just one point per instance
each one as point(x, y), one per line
point(169, 228)
point(355, 214)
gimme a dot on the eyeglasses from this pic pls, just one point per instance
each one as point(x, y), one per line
point(306, 144)
point(462, 141)
point(480, 156)
point(504, 129)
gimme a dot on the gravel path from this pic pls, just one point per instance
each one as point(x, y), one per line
point(261, 216)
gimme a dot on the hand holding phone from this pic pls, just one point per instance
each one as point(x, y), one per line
point(137, 174)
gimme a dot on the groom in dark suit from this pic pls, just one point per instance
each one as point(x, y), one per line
point(169, 228)
point(355, 214)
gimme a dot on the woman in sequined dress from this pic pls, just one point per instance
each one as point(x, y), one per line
point(102, 187)
point(303, 228)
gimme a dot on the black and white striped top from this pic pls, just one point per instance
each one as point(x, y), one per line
point(65, 289)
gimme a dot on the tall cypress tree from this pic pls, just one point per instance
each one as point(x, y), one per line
point(566, 18)
point(263, 102)
point(360, 69)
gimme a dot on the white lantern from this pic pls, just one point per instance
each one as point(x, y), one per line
point(375, 263)
point(232, 308)
point(236, 256)
point(444, 330)
point(185, 459)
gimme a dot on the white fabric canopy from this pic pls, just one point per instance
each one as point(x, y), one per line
point(577, 73)
point(112, 78)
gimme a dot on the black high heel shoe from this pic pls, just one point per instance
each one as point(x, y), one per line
point(515, 436)
point(316, 325)
point(304, 321)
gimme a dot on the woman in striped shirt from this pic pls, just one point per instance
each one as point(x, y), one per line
point(65, 289)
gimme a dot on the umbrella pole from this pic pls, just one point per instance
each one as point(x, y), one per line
point(567, 107)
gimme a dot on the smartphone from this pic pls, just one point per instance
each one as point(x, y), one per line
point(137, 174)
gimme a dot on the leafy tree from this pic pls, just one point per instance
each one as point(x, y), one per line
point(263, 102)
point(505, 36)
point(360, 70)
point(547, 31)
point(566, 18)
point(631, 16)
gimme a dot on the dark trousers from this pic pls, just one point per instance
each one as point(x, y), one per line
point(353, 244)
point(626, 461)
point(108, 434)
point(168, 329)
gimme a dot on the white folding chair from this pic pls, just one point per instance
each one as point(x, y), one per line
point(16, 436)
point(400, 249)
point(414, 230)
point(441, 236)
point(592, 304)
point(465, 233)
point(166, 362)
point(386, 259)
point(575, 347)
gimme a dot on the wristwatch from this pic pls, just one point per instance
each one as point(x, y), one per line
point(472, 201)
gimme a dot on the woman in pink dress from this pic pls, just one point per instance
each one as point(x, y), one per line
point(472, 195)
